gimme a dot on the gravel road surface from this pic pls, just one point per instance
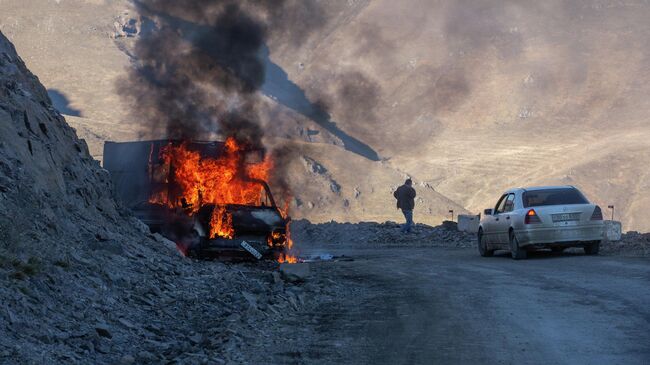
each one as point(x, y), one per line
point(450, 306)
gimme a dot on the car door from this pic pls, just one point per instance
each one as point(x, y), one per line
point(504, 221)
point(490, 229)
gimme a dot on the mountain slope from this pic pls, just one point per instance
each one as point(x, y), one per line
point(469, 98)
point(477, 97)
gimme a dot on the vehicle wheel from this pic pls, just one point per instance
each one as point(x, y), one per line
point(517, 252)
point(592, 248)
point(482, 246)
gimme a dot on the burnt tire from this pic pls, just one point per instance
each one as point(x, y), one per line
point(482, 246)
point(517, 252)
point(592, 248)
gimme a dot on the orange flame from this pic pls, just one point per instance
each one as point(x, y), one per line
point(274, 238)
point(288, 259)
point(192, 180)
point(219, 181)
point(289, 244)
point(221, 223)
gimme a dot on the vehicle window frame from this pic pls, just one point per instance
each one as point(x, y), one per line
point(501, 200)
point(527, 204)
point(505, 207)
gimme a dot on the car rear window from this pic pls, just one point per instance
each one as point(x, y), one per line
point(537, 198)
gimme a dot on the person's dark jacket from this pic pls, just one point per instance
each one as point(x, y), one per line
point(405, 196)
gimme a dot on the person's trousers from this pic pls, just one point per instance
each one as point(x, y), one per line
point(408, 214)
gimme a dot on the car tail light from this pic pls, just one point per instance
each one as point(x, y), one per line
point(532, 217)
point(597, 215)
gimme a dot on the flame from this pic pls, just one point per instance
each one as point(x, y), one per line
point(288, 259)
point(221, 223)
point(228, 179)
point(192, 181)
point(284, 211)
point(274, 238)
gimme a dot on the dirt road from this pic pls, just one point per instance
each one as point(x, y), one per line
point(450, 306)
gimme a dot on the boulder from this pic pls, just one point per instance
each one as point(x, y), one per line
point(468, 223)
point(612, 231)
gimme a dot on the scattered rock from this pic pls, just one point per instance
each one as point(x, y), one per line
point(382, 234)
point(631, 244)
point(126, 323)
point(251, 299)
point(294, 272)
point(170, 245)
point(146, 356)
point(103, 331)
point(450, 225)
point(357, 192)
point(196, 338)
point(127, 360)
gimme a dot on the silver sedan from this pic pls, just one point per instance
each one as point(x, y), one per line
point(553, 217)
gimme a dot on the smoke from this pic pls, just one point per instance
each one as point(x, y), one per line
point(198, 72)
point(355, 97)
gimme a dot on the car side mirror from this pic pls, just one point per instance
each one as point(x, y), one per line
point(487, 212)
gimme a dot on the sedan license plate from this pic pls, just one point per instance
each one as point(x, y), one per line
point(566, 217)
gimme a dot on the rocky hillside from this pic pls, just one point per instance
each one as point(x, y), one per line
point(52, 189)
point(82, 282)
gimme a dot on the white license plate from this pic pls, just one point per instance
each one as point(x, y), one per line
point(251, 249)
point(564, 217)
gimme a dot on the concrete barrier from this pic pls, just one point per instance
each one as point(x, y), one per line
point(612, 231)
point(468, 223)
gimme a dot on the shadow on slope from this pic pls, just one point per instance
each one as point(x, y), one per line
point(278, 87)
point(62, 104)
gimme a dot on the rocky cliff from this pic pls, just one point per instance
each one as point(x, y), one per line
point(81, 281)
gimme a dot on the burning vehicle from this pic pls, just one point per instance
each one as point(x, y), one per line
point(211, 198)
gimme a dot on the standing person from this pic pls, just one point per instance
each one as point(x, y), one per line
point(405, 196)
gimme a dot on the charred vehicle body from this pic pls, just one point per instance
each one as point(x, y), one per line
point(208, 197)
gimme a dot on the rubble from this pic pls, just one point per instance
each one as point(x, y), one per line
point(294, 273)
point(631, 244)
point(380, 234)
point(387, 234)
point(127, 26)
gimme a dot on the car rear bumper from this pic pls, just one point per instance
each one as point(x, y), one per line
point(560, 235)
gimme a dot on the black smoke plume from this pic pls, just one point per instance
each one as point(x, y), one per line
point(198, 71)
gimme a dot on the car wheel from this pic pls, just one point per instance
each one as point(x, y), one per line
point(517, 252)
point(592, 248)
point(482, 246)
